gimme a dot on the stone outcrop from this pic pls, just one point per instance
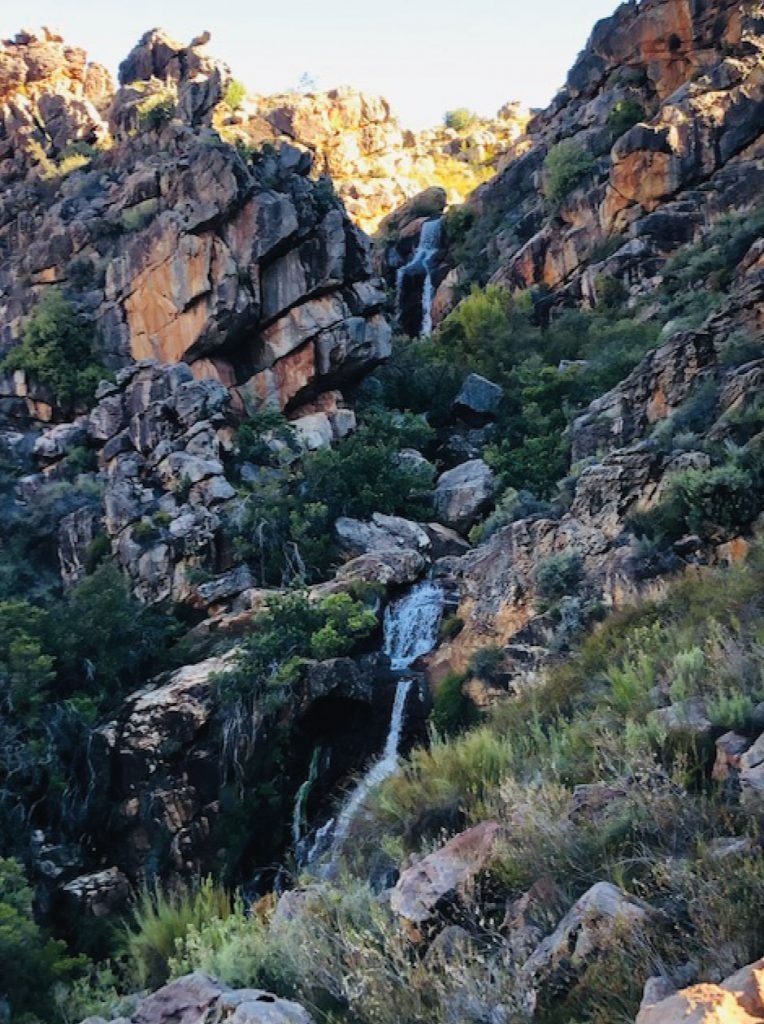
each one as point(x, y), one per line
point(375, 165)
point(176, 246)
point(738, 999)
point(589, 927)
point(198, 998)
point(463, 493)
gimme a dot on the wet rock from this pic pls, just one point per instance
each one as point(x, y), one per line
point(463, 493)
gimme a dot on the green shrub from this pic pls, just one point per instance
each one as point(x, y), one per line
point(459, 119)
point(156, 110)
point(558, 575)
point(623, 116)
point(453, 711)
point(567, 166)
point(234, 95)
point(31, 964)
point(58, 349)
point(161, 919)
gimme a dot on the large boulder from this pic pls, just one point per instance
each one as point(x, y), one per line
point(426, 888)
point(463, 493)
point(478, 399)
point(591, 924)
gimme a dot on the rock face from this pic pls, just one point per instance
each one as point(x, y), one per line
point(177, 247)
point(198, 998)
point(375, 165)
point(739, 998)
point(666, 100)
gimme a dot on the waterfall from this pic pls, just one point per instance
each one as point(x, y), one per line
point(411, 625)
point(382, 768)
point(301, 799)
point(423, 259)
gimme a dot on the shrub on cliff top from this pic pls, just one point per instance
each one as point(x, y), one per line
point(460, 119)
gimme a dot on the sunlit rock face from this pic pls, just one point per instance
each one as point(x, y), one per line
point(180, 246)
point(666, 104)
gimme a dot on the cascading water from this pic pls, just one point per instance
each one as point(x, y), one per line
point(410, 630)
point(301, 799)
point(423, 260)
point(411, 625)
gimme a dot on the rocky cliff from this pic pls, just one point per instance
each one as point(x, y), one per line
point(656, 133)
point(176, 246)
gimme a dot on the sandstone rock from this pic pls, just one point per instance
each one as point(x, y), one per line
point(729, 747)
point(739, 998)
point(391, 568)
point(461, 494)
point(197, 998)
point(424, 889)
point(382, 533)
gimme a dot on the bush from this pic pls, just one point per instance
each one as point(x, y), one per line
point(460, 119)
point(58, 349)
point(156, 110)
point(567, 166)
point(623, 116)
point(31, 964)
point(558, 575)
point(234, 95)
point(161, 920)
point(453, 711)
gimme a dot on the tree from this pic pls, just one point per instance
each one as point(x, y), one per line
point(58, 349)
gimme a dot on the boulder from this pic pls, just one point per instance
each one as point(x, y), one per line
point(424, 890)
point(738, 999)
point(752, 775)
point(463, 493)
point(391, 568)
point(478, 400)
point(381, 533)
point(586, 930)
point(197, 999)
point(98, 894)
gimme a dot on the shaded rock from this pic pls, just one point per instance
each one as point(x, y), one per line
point(463, 493)
point(424, 889)
point(98, 894)
point(478, 399)
point(752, 775)
point(587, 928)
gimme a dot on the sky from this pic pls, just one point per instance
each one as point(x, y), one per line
point(424, 56)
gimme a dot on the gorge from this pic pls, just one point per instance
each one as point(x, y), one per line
point(381, 567)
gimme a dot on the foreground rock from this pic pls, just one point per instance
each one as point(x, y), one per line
point(199, 999)
point(588, 928)
point(425, 889)
point(738, 1000)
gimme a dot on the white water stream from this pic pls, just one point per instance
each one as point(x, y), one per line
point(424, 258)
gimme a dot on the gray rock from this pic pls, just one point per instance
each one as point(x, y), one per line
point(463, 493)
point(478, 399)
point(98, 894)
